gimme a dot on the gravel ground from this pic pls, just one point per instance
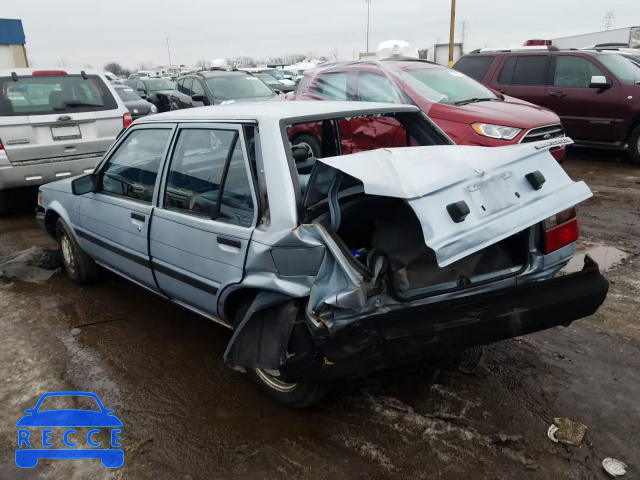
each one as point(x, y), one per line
point(187, 416)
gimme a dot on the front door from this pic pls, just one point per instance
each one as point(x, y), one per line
point(114, 220)
point(586, 113)
point(201, 232)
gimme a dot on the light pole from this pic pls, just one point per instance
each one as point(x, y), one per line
point(452, 31)
point(168, 50)
point(368, 2)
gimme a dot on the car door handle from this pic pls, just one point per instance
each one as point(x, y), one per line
point(229, 242)
point(557, 94)
point(137, 216)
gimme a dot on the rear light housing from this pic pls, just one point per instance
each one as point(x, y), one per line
point(1, 146)
point(537, 42)
point(49, 72)
point(560, 230)
point(126, 120)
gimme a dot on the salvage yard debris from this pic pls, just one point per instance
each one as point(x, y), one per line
point(614, 467)
point(565, 430)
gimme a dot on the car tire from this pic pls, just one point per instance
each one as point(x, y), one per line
point(634, 146)
point(293, 395)
point(80, 267)
point(4, 203)
point(310, 142)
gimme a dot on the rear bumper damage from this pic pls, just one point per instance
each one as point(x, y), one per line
point(389, 339)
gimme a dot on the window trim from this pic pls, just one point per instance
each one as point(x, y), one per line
point(116, 147)
point(237, 127)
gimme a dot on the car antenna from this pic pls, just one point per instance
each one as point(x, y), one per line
point(83, 73)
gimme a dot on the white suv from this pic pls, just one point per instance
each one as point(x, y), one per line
point(54, 124)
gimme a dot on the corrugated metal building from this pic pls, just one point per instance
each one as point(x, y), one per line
point(12, 41)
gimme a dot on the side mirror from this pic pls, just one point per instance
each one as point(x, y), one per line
point(599, 81)
point(85, 184)
point(197, 98)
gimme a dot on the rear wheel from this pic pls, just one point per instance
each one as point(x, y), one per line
point(79, 266)
point(634, 146)
point(4, 202)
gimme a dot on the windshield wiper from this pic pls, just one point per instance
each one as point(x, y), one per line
point(475, 100)
point(76, 103)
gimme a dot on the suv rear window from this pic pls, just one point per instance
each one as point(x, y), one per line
point(474, 67)
point(53, 94)
point(524, 70)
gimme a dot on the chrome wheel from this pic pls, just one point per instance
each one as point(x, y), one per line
point(67, 253)
point(270, 378)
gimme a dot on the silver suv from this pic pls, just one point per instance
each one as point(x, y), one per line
point(330, 267)
point(54, 124)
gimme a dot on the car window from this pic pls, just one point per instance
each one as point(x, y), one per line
point(624, 68)
point(474, 67)
point(69, 402)
point(197, 88)
point(376, 88)
point(233, 87)
point(524, 70)
point(54, 94)
point(574, 72)
point(195, 180)
point(331, 85)
point(444, 85)
point(186, 86)
point(180, 86)
point(132, 170)
point(157, 84)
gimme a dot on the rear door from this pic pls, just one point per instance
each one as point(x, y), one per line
point(523, 76)
point(51, 116)
point(586, 113)
point(200, 234)
point(114, 221)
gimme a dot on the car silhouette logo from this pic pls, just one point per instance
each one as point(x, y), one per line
point(547, 136)
point(63, 423)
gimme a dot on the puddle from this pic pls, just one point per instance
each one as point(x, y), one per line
point(605, 257)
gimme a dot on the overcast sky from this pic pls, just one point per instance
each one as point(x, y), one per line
point(94, 32)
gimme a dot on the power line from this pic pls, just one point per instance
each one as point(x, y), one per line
point(608, 21)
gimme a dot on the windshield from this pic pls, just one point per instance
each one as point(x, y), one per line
point(155, 84)
point(53, 94)
point(624, 69)
point(237, 86)
point(443, 85)
point(268, 79)
point(274, 73)
point(127, 94)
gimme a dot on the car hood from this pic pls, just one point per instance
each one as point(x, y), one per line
point(491, 182)
point(69, 418)
point(511, 112)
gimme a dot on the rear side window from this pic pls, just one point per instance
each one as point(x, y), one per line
point(54, 94)
point(196, 183)
point(376, 88)
point(132, 170)
point(474, 67)
point(524, 70)
point(331, 86)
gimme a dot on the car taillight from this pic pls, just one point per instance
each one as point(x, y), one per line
point(49, 72)
point(192, 203)
point(560, 230)
point(535, 43)
point(1, 146)
point(126, 120)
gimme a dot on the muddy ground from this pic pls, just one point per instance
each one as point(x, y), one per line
point(187, 416)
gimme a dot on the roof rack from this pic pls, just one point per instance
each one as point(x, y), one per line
point(535, 48)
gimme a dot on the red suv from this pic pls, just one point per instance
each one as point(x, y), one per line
point(467, 111)
point(595, 92)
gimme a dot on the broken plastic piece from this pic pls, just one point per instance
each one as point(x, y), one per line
point(458, 211)
point(565, 430)
point(536, 179)
point(614, 467)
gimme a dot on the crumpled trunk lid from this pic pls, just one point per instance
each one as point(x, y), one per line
point(466, 198)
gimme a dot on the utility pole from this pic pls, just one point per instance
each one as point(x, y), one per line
point(169, 50)
point(368, 2)
point(452, 29)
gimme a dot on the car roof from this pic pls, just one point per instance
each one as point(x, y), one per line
point(276, 110)
point(387, 64)
point(218, 73)
point(6, 72)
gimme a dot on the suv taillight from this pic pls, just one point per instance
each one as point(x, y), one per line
point(126, 120)
point(560, 230)
point(48, 72)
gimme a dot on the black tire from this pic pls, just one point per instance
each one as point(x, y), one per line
point(634, 146)
point(4, 202)
point(293, 395)
point(312, 143)
point(80, 267)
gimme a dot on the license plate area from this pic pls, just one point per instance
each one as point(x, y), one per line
point(68, 132)
point(493, 194)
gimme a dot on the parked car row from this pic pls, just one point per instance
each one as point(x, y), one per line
point(596, 93)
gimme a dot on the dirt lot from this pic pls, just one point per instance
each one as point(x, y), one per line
point(187, 416)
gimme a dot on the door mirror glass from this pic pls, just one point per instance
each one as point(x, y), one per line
point(599, 81)
point(197, 98)
point(85, 184)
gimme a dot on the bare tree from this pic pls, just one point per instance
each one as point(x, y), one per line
point(203, 64)
point(422, 53)
point(115, 68)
